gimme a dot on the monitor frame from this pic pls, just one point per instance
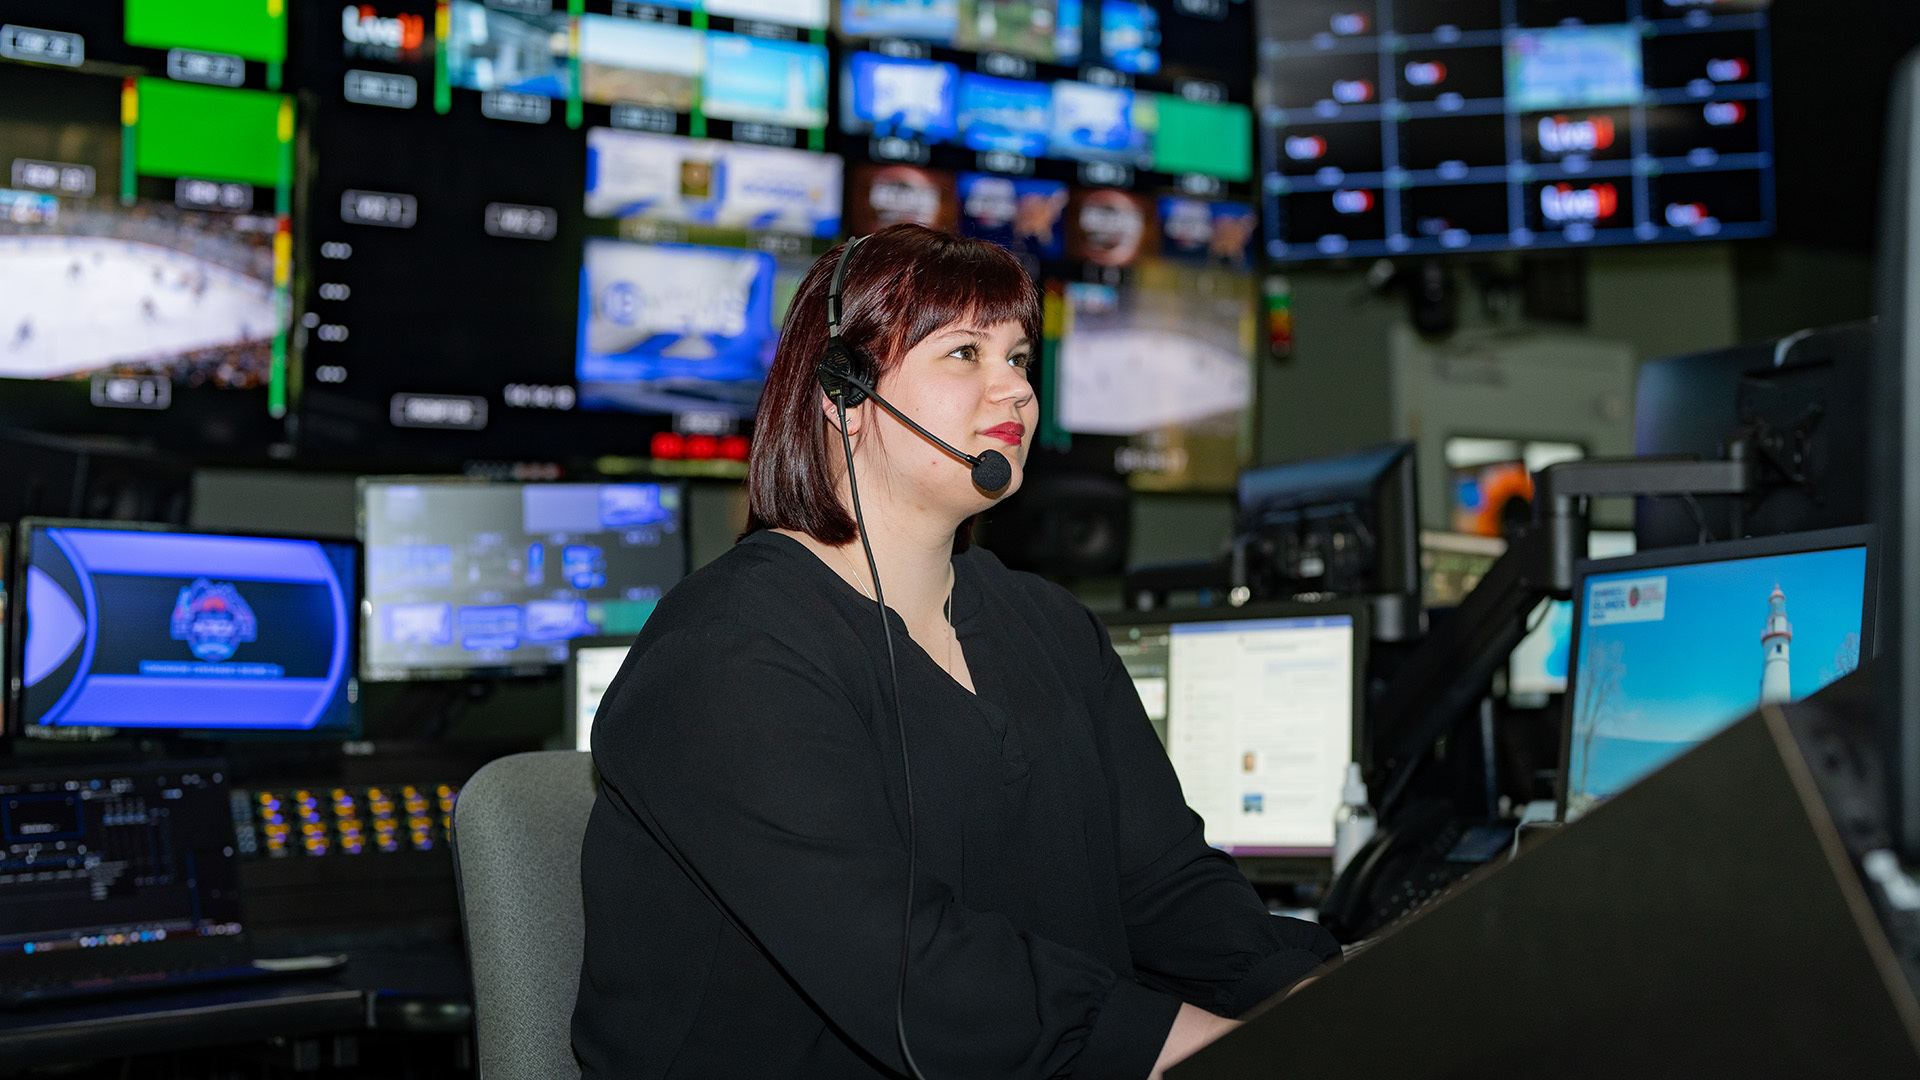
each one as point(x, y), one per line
point(13, 617)
point(569, 730)
point(529, 669)
point(1292, 864)
point(1692, 555)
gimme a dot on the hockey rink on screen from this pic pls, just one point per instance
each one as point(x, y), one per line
point(70, 305)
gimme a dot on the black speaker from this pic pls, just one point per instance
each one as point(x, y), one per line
point(95, 480)
point(1063, 525)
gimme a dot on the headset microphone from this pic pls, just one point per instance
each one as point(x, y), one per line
point(991, 470)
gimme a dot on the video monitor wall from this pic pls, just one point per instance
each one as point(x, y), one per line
point(466, 577)
point(622, 297)
point(1109, 145)
point(146, 225)
point(1427, 126)
point(440, 231)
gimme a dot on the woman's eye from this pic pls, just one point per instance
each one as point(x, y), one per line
point(965, 352)
point(1023, 361)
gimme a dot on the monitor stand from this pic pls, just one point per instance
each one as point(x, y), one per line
point(1707, 922)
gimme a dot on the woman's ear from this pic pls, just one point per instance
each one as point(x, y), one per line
point(856, 416)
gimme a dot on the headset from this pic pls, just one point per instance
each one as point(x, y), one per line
point(991, 473)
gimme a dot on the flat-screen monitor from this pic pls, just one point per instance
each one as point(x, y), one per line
point(899, 96)
point(1672, 646)
point(1258, 708)
point(144, 280)
point(1393, 128)
point(1158, 368)
point(592, 662)
point(1342, 525)
point(1784, 395)
point(710, 184)
point(675, 328)
point(1537, 669)
point(145, 629)
point(116, 868)
point(469, 577)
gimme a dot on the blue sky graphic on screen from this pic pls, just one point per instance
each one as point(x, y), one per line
point(187, 631)
point(1004, 114)
point(1670, 656)
point(666, 326)
point(1574, 67)
point(768, 82)
point(924, 20)
point(914, 99)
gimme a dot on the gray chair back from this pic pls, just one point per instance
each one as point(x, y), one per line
point(517, 829)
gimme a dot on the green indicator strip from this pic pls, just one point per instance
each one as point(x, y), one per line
point(282, 264)
point(1051, 435)
point(442, 91)
point(697, 120)
point(575, 8)
point(129, 140)
point(274, 74)
point(817, 137)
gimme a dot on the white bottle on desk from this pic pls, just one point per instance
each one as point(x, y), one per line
point(1353, 822)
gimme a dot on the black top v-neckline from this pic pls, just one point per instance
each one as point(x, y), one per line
point(961, 612)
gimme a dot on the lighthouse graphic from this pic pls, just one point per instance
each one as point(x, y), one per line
point(1776, 673)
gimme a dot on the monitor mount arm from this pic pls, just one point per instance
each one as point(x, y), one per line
point(1449, 671)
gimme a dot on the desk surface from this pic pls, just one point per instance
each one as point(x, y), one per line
point(424, 991)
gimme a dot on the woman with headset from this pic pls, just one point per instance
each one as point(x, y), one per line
point(872, 804)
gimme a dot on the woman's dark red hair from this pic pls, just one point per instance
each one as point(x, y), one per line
point(904, 283)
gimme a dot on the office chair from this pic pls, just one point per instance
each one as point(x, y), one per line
point(517, 829)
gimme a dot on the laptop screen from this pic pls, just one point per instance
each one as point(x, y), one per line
point(1673, 647)
point(121, 868)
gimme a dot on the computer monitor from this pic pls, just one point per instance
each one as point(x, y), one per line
point(1259, 709)
point(1792, 399)
point(592, 662)
point(1672, 646)
point(474, 578)
point(116, 868)
point(130, 627)
point(1346, 525)
point(1537, 668)
point(1896, 483)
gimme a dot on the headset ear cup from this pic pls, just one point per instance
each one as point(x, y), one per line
point(839, 362)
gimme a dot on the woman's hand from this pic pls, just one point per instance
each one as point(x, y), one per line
point(1193, 1028)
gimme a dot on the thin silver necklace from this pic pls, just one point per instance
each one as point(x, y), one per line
point(946, 610)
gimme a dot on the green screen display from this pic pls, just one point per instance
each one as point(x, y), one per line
point(254, 29)
point(208, 133)
point(1198, 137)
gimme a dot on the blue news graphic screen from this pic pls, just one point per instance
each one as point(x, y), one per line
point(892, 96)
point(1669, 656)
point(186, 631)
point(675, 327)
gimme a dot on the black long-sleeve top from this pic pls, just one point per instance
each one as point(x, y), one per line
point(745, 869)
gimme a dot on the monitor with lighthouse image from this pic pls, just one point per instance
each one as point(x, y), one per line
point(1672, 646)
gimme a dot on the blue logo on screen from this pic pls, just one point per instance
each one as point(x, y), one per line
point(212, 619)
